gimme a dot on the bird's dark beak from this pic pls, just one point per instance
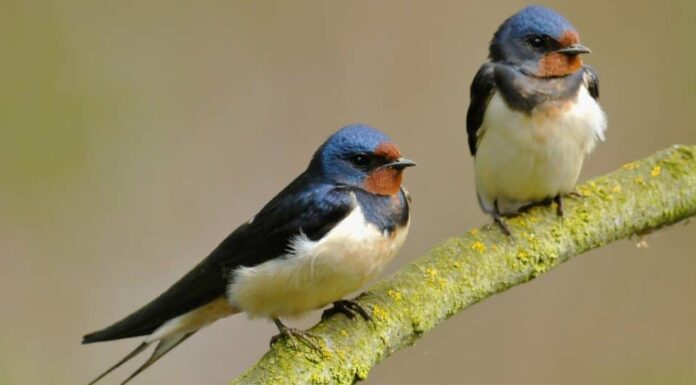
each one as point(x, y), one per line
point(574, 49)
point(400, 164)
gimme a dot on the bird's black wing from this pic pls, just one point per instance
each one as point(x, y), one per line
point(304, 205)
point(591, 81)
point(482, 89)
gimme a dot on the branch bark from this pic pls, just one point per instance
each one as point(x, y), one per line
point(638, 198)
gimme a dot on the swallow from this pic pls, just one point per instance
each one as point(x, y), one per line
point(533, 114)
point(321, 238)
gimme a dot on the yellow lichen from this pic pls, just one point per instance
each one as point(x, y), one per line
point(343, 333)
point(630, 166)
point(540, 268)
point(530, 236)
point(639, 180)
point(379, 313)
point(655, 171)
point(395, 295)
point(556, 232)
point(522, 221)
point(325, 353)
point(584, 191)
point(478, 246)
point(616, 189)
point(361, 373)
point(430, 273)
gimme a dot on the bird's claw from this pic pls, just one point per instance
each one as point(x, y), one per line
point(293, 335)
point(349, 308)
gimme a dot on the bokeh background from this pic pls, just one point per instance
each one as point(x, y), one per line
point(136, 135)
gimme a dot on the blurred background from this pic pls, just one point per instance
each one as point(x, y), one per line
point(136, 135)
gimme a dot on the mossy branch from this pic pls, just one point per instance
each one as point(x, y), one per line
point(638, 198)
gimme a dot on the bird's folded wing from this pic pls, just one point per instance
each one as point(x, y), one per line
point(591, 81)
point(482, 88)
point(301, 207)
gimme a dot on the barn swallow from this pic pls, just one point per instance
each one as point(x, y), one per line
point(322, 237)
point(533, 114)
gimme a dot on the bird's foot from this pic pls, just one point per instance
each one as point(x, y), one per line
point(559, 205)
point(499, 220)
point(293, 335)
point(559, 200)
point(575, 194)
point(347, 307)
point(529, 206)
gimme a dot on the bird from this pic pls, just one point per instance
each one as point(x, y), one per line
point(533, 114)
point(327, 233)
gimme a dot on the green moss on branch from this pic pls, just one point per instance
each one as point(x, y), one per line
point(638, 198)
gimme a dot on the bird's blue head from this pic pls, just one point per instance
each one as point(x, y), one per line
point(361, 157)
point(539, 41)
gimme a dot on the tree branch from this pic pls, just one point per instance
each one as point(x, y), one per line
point(636, 199)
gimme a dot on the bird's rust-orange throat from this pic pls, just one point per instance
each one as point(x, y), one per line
point(384, 181)
point(557, 64)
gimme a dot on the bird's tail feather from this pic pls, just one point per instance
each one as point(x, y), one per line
point(125, 359)
point(165, 345)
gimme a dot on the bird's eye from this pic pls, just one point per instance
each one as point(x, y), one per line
point(360, 160)
point(537, 42)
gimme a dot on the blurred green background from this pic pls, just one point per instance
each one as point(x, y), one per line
point(136, 135)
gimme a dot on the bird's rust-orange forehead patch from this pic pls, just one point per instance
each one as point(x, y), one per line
point(388, 150)
point(569, 37)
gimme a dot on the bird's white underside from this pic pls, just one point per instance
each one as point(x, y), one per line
point(524, 158)
point(311, 275)
point(314, 274)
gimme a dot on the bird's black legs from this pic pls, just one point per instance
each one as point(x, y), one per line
point(498, 218)
point(558, 199)
point(347, 307)
point(559, 202)
point(292, 334)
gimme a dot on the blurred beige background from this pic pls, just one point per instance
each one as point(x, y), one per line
point(136, 135)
